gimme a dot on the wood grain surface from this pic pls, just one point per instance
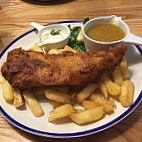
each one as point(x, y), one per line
point(15, 16)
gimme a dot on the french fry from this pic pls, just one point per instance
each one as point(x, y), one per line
point(117, 77)
point(108, 105)
point(55, 104)
point(36, 48)
point(2, 78)
point(86, 92)
point(61, 112)
point(32, 103)
point(95, 97)
point(113, 88)
point(87, 104)
point(79, 110)
point(61, 50)
point(103, 89)
point(7, 89)
point(68, 48)
point(87, 116)
point(58, 96)
point(127, 93)
point(55, 51)
point(124, 69)
point(18, 100)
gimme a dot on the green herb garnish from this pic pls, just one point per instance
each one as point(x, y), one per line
point(77, 45)
point(53, 32)
point(86, 20)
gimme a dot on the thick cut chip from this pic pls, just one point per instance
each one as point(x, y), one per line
point(55, 104)
point(68, 48)
point(108, 105)
point(55, 51)
point(61, 112)
point(87, 116)
point(8, 92)
point(117, 77)
point(103, 89)
point(86, 92)
point(113, 88)
point(124, 69)
point(32, 103)
point(58, 96)
point(18, 100)
point(79, 110)
point(87, 104)
point(36, 48)
point(127, 93)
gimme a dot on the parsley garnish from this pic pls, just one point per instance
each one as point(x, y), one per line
point(77, 45)
point(53, 32)
point(86, 20)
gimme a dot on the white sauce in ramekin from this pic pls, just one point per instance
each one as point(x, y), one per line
point(46, 36)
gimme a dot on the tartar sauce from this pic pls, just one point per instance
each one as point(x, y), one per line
point(47, 37)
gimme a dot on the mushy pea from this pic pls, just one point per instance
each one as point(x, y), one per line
point(105, 32)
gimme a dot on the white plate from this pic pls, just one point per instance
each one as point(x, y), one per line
point(24, 119)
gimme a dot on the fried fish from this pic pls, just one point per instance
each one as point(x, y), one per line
point(27, 69)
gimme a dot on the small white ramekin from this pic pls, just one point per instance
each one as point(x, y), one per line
point(55, 44)
point(94, 45)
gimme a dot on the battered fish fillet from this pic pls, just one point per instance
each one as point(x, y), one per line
point(27, 69)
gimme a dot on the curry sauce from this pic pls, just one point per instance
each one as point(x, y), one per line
point(105, 32)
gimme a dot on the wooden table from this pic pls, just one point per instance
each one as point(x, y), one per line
point(15, 16)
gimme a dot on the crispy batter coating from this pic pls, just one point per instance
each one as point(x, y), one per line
point(27, 69)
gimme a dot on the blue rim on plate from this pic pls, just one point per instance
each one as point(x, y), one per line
point(67, 135)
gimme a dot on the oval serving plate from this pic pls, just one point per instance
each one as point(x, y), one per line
point(24, 119)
